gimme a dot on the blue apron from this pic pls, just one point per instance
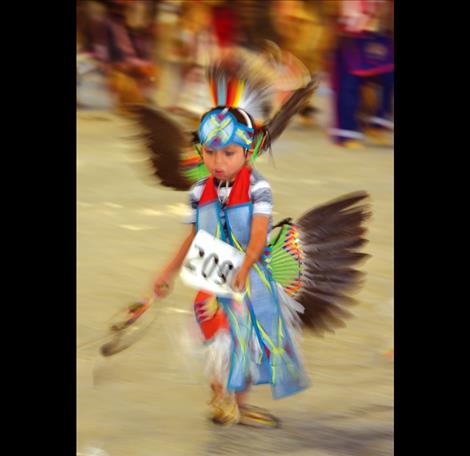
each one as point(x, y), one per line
point(259, 315)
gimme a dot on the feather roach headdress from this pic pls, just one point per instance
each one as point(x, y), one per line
point(250, 83)
point(255, 84)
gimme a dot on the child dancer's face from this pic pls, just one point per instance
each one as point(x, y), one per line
point(224, 164)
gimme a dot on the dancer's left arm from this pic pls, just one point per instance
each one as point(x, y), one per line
point(258, 237)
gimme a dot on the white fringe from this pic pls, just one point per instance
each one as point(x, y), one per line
point(218, 354)
point(291, 309)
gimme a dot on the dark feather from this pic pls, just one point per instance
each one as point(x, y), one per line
point(331, 236)
point(337, 262)
point(336, 205)
point(164, 140)
point(327, 249)
point(277, 124)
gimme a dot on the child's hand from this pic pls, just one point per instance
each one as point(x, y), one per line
point(239, 281)
point(162, 285)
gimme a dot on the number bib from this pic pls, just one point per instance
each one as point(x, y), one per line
point(211, 264)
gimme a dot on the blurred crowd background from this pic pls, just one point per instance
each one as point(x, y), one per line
point(156, 51)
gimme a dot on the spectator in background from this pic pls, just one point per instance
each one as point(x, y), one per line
point(255, 24)
point(302, 32)
point(225, 23)
point(364, 54)
point(123, 41)
point(194, 43)
point(90, 14)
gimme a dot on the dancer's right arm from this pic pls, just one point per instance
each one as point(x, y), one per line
point(164, 281)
